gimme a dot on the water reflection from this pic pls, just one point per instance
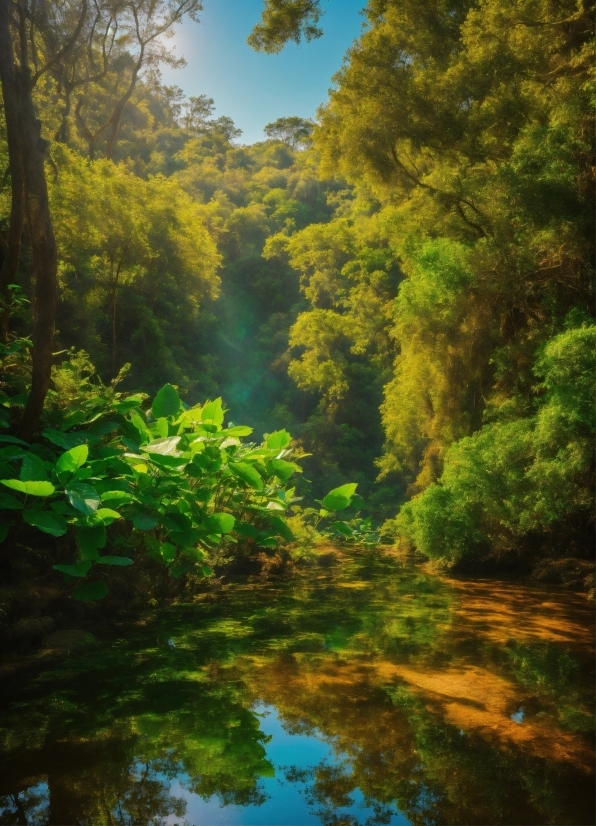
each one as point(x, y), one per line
point(368, 694)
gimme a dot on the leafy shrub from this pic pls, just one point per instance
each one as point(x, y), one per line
point(173, 481)
point(520, 476)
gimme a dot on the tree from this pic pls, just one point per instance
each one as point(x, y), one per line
point(37, 37)
point(21, 66)
point(284, 20)
point(293, 131)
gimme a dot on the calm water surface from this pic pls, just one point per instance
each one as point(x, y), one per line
point(365, 694)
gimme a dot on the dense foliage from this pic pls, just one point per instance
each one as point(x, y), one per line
point(406, 285)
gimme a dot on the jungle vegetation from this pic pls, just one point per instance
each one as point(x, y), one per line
point(405, 284)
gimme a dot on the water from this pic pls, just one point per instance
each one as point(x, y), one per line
point(365, 694)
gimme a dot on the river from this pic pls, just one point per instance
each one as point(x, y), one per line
point(367, 693)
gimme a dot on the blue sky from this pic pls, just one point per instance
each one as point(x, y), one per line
point(253, 88)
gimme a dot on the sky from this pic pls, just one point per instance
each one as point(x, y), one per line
point(256, 88)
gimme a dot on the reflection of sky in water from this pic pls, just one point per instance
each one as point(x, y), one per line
point(286, 802)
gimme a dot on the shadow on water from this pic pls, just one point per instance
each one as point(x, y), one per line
point(366, 694)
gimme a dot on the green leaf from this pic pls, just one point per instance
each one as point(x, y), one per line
point(83, 497)
point(213, 413)
point(339, 498)
point(279, 440)
point(4, 526)
point(33, 469)
point(166, 403)
point(343, 528)
point(68, 440)
point(91, 540)
point(29, 488)
point(162, 428)
point(12, 440)
point(107, 515)
point(164, 447)
point(46, 521)
point(79, 569)
point(90, 591)
point(219, 523)
point(206, 571)
point(336, 502)
point(282, 529)
point(141, 427)
point(239, 430)
point(168, 551)
point(178, 570)
point(120, 496)
point(122, 561)
point(283, 470)
point(247, 473)
point(346, 490)
point(8, 502)
point(72, 460)
point(249, 531)
point(143, 522)
point(125, 405)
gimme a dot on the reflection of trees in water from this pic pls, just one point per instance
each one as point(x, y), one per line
point(102, 738)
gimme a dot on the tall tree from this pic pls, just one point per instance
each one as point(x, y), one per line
point(37, 37)
point(21, 66)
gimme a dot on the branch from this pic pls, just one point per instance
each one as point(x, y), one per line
point(67, 46)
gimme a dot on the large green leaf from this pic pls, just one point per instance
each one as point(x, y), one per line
point(168, 551)
point(248, 531)
point(8, 502)
point(72, 460)
point(281, 528)
point(79, 569)
point(279, 440)
point(166, 403)
point(164, 447)
point(346, 490)
point(238, 430)
point(29, 488)
point(12, 440)
point(339, 498)
point(213, 413)
point(69, 440)
point(90, 591)
point(46, 521)
point(335, 502)
point(107, 515)
point(141, 427)
point(33, 469)
point(91, 540)
point(283, 470)
point(119, 496)
point(143, 522)
point(219, 523)
point(247, 473)
point(122, 561)
point(83, 497)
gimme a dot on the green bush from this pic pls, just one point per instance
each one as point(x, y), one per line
point(516, 477)
point(169, 481)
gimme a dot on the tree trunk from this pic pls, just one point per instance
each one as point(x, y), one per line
point(23, 130)
point(10, 96)
point(45, 266)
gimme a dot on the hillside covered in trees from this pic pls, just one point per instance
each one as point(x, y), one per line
point(405, 284)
